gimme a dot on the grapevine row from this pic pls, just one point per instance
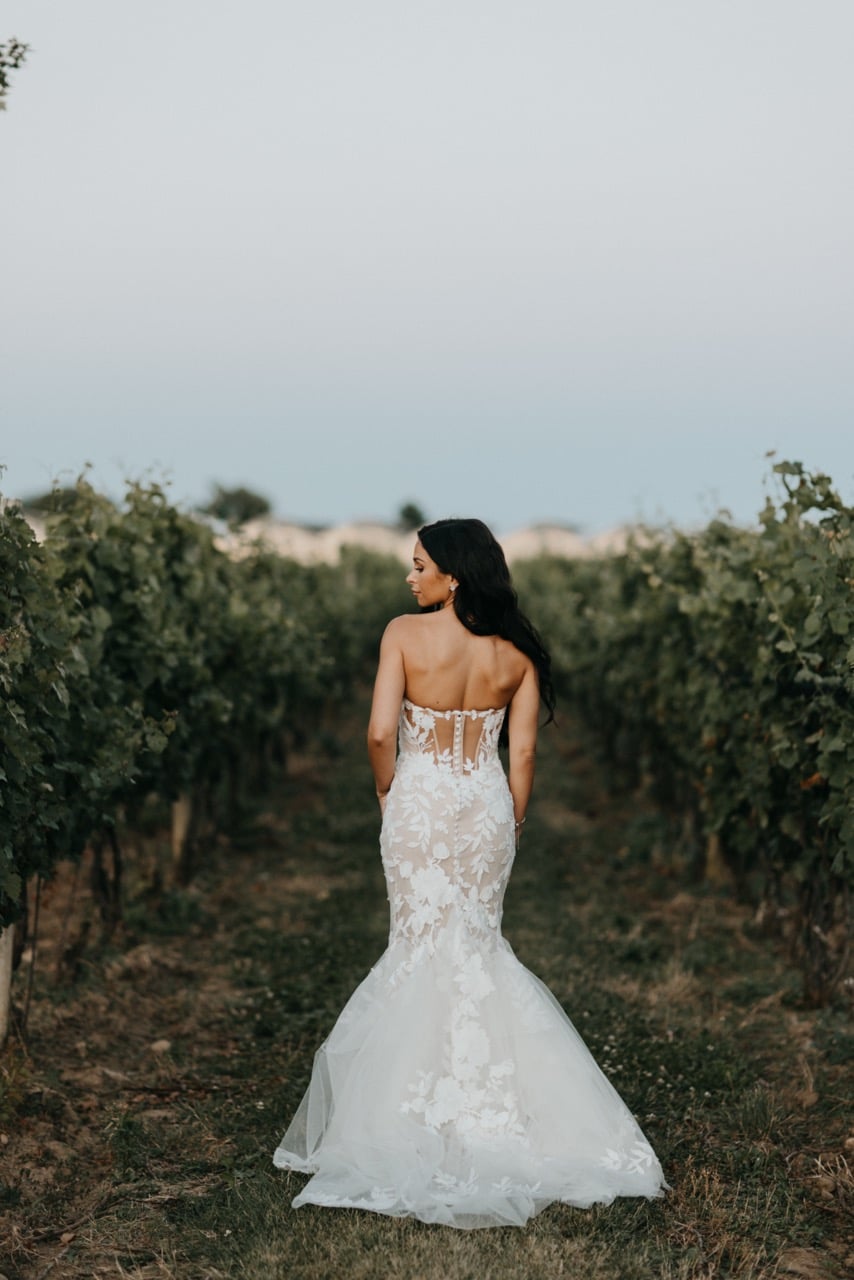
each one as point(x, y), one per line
point(717, 671)
point(137, 658)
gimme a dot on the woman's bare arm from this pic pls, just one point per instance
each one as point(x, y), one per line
point(385, 709)
point(522, 730)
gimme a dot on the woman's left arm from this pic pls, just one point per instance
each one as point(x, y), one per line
point(389, 687)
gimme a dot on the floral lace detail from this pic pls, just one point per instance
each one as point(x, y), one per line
point(474, 1094)
point(636, 1157)
point(448, 736)
point(448, 850)
point(447, 839)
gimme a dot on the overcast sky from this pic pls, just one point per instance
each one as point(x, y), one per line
point(530, 260)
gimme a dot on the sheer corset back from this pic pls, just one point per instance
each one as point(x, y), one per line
point(459, 740)
point(447, 837)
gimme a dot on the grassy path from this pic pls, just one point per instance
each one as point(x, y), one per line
point(136, 1135)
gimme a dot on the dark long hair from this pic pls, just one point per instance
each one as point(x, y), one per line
point(485, 601)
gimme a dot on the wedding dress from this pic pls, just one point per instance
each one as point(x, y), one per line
point(453, 1087)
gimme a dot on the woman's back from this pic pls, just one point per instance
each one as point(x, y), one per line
point(446, 667)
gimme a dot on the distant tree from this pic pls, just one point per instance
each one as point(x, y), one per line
point(411, 516)
point(12, 55)
point(236, 505)
point(61, 498)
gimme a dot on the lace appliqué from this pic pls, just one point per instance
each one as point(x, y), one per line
point(474, 1093)
point(634, 1155)
point(447, 837)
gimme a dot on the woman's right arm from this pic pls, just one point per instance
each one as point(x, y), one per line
point(385, 709)
point(522, 732)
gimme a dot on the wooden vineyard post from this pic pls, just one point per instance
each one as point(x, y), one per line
point(7, 939)
point(717, 871)
point(182, 816)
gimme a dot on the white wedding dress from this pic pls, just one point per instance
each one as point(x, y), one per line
point(453, 1088)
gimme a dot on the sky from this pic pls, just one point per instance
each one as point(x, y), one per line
point(530, 261)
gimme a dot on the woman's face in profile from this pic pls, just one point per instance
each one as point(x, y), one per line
point(426, 581)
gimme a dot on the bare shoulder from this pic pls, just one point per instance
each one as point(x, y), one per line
point(519, 663)
point(399, 630)
point(403, 624)
point(397, 625)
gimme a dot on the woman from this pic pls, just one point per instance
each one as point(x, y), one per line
point(453, 1087)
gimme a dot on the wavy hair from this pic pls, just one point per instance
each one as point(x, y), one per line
point(485, 600)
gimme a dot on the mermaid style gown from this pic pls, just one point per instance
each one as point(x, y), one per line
point(453, 1088)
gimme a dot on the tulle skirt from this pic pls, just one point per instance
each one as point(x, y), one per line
point(454, 1089)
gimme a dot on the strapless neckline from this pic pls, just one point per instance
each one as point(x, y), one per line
point(453, 711)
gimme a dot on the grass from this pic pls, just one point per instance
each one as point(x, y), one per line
point(137, 1127)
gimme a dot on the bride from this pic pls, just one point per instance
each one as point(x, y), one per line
point(453, 1088)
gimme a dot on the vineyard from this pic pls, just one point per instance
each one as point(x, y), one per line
point(141, 666)
point(717, 671)
point(162, 698)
